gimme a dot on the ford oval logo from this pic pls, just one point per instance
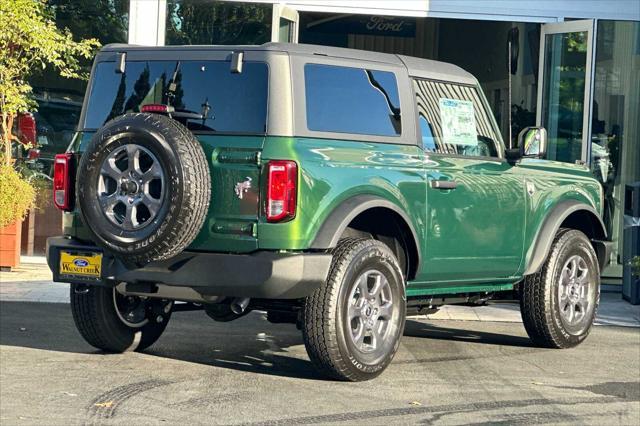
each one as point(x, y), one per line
point(81, 263)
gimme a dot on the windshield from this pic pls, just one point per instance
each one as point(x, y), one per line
point(205, 94)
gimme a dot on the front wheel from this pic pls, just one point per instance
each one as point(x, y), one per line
point(559, 303)
point(113, 322)
point(353, 323)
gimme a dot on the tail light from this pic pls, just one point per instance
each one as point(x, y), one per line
point(281, 190)
point(27, 128)
point(33, 154)
point(62, 181)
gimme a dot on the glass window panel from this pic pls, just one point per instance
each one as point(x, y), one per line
point(615, 123)
point(217, 22)
point(563, 94)
point(285, 30)
point(428, 141)
point(352, 100)
point(230, 102)
point(430, 97)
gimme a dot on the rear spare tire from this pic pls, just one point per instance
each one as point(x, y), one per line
point(144, 187)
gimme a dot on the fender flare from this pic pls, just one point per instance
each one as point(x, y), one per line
point(341, 216)
point(551, 225)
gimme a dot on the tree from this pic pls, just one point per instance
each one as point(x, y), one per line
point(105, 20)
point(30, 40)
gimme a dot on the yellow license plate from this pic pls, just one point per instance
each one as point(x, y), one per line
point(81, 265)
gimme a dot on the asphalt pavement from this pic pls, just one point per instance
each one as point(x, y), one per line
point(252, 372)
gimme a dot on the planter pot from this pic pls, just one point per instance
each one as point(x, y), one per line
point(40, 224)
point(10, 237)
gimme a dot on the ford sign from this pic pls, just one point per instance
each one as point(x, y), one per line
point(81, 263)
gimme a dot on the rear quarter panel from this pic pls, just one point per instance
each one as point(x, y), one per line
point(332, 171)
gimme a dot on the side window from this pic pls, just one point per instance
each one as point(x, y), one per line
point(453, 120)
point(352, 100)
point(428, 142)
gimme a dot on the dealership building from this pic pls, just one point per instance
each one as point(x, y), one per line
point(570, 66)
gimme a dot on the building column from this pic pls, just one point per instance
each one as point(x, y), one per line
point(147, 22)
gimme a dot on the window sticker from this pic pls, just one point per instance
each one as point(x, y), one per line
point(458, 122)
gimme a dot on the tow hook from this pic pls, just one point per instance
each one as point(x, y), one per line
point(81, 289)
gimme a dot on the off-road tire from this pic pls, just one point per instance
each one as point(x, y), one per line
point(186, 198)
point(539, 299)
point(96, 319)
point(324, 326)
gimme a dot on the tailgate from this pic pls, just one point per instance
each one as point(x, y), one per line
point(231, 224)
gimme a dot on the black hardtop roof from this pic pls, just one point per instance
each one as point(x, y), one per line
point(416, 67)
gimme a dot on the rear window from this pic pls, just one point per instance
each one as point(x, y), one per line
point(218, 100)
point(352, 100)
point(59, 116)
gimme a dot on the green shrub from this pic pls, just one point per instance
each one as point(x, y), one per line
point(16, 195)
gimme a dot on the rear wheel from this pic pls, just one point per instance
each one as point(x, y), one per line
point(352, 324)
point(559, 303)
point(114, 322)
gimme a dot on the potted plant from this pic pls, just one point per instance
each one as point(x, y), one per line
point(16, 197)
point(29, 40)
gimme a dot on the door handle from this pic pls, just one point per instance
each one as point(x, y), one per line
point(444, 184)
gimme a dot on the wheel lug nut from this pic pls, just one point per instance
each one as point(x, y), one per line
point(159, 319)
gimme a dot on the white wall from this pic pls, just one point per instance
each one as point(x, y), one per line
point(147, 22)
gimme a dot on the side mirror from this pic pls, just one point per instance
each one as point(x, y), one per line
point(532, 142)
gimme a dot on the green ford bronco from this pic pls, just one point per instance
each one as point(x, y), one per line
point(335, 189)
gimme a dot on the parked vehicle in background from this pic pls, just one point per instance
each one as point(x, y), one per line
point(46, 132)
point(26, 151)
point(339, 190)
point(56, 122)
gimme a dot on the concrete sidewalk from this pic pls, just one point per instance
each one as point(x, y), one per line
point(32, 282)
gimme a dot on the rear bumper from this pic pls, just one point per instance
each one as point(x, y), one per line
point(265, 275)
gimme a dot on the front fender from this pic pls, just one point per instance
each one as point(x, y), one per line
point(543, 240)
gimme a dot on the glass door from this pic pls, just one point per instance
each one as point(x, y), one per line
point(615, 128)
point(284, 24)
point(564, 92)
